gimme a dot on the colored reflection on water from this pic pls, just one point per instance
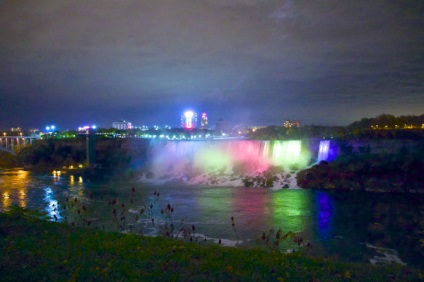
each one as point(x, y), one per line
point(52, 207)
point(338, 223)
point(76, 185)
point(290, 208)
point(14, 185)
point(325, 213)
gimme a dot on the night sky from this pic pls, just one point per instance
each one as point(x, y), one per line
point(252, 62)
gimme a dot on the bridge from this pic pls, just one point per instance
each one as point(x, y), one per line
point(15, 144)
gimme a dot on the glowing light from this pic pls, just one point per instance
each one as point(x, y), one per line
point(324, 148)
point(288, 153)
point(289, 208)
point(6, 199)
point(325, 207)
point(52, 204)
point(50, 128)
point(22, 198)
point(189, 119)
point(182, 157)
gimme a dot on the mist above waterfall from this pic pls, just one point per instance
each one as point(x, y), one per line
point(223, 161)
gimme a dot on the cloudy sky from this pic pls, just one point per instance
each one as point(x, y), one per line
point(250, 62)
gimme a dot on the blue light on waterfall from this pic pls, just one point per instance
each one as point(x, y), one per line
point(328, 150)
point(324, 148)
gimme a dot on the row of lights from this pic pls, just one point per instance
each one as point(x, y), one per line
point(20, 134)
point(397, 126)
point(162, 136)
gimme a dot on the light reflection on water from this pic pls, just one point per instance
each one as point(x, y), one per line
point(336, 223)
point(52, 204)
point(325, 207)
point(14, 185)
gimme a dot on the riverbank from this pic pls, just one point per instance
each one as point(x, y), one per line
point(401, 171)
point(7, 160)
point(35, 249)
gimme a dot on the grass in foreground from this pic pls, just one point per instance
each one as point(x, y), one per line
point(33, 249)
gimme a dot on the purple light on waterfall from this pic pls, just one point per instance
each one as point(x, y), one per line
point(324, 148)
point(328, 150)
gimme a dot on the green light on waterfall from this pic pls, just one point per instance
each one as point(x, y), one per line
point(288, 153)
point(209, 160)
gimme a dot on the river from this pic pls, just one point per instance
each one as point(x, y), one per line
point(347, 226)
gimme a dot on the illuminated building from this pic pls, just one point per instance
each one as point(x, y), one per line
point(86, 128)
point(122, 125)
point(16, 129)
point(189, 120)
point(291, 123)
point(204, 121)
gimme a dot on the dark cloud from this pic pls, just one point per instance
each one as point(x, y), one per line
point(250, 61)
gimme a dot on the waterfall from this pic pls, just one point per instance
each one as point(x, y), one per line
point(324, 150)
point(286, 153)
point(224, 156)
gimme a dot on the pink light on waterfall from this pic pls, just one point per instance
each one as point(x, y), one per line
point(188, 159)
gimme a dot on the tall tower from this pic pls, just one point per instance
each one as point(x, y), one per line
point(189, 120)
point(204, 121)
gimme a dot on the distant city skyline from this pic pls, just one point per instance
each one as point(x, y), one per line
point(252, 62)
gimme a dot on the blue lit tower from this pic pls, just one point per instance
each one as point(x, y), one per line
point(189, 120)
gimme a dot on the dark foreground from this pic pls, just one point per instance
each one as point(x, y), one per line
point(33, 249)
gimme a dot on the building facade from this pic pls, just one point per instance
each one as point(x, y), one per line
point(122, 125)
point(291, 123)
point(204, 121)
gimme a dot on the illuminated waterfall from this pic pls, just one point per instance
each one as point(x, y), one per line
point(286, 153)
point(225, 156)
point(323, 151)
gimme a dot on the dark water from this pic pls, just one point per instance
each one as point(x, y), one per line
point(347, 226)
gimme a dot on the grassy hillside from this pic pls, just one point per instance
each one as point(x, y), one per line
point(34, 249)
